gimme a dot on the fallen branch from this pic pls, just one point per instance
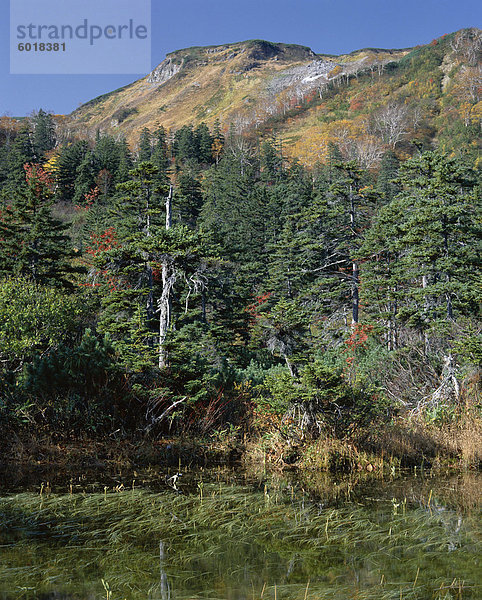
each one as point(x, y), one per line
point(167, 411)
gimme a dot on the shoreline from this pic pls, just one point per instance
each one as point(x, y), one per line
point(396, 447)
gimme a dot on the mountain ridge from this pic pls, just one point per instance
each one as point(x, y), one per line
point(257, 84)
point(242, 58)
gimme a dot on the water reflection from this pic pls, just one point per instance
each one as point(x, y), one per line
point(224, 534)
point(165, 588)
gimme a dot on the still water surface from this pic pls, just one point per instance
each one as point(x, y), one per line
point(218, 534)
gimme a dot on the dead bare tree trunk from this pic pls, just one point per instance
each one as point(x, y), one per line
point(149, 272)
point(169, 209)
point(164, 303)
point(427, 306)
point(291, 367)
point(355, 294)
point(355, 270)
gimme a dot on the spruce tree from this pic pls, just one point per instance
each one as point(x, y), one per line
point(43, 134)
point(106, 154)
point(141, 265)
point(204, 144)
point(125, 162)
point(160, 151)
point(341, 221)
point(189, 198)
point(70, 158)
point(387, 183)
point(185, 144)
point(33, 243)
point(21, 153)
point(145, 146)
point(441, 220)
point(84, 178)
point(422, 253)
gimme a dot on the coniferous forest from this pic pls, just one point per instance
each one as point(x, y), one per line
point(205, 284)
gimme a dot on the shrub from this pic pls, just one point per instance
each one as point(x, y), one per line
point(74, 386)
point(33, 319)
point(123, 113)
point(321, 399)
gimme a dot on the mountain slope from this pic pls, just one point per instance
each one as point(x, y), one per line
point(224, 82)
point(309, 99)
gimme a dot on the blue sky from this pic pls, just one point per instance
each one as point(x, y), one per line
point(327, 26)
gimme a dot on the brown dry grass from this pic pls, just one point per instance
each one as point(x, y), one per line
point(408, 441)
point(415, 441)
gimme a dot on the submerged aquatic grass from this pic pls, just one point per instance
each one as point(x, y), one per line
point(232, 542)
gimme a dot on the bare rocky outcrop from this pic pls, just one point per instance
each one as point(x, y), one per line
point(304, 75)
point(165, 71)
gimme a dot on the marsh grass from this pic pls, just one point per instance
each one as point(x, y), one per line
point(232, 542)
point(416, 440)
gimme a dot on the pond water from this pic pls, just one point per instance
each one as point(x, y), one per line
point(218, 534)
